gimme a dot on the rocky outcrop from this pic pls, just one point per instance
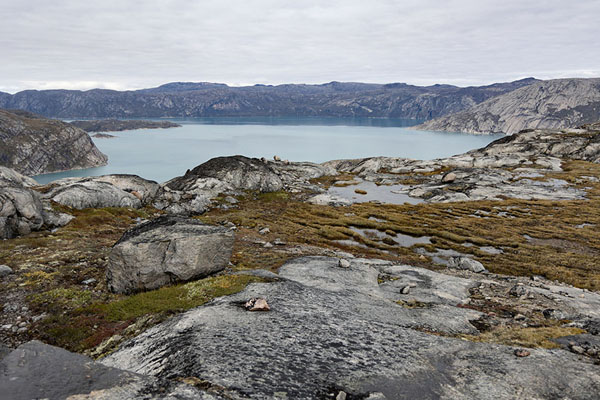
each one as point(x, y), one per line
point(332, 330)
point(166, 250)
point(553, 104)
point(20, 207)
point(507, 167)
point(334, 99)
point(103, 191)
point(34, 145)
point(117, 125)
point(192, 193)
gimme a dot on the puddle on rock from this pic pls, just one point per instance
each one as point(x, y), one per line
point(400, 238)
point(491, 250)
point(390, 194)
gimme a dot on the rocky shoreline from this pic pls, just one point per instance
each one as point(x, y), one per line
point(117, 125)
point(472, 277)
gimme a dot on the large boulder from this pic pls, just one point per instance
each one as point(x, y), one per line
point(166, 250)
point(103, 191)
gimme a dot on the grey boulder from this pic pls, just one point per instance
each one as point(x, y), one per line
point(104, 191)
point(20, 207)
point(5, 270)
point(466, 263)
point(168, 249)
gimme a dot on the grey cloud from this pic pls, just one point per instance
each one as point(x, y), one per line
point(145, 43)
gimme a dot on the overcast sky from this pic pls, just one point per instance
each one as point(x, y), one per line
point(122, 44)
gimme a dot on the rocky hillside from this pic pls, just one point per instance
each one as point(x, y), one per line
point(34, 145)
point(117, 125)
point(335, 99)
point(558, 103)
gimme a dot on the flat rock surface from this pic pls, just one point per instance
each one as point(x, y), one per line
point(332, 329)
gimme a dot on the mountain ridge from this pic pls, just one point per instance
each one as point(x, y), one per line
point(552, 104)
point(189, 99)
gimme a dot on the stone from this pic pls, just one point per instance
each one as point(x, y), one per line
point(264, 231)
point(577, 349)
point(257, 304)
point(166, 250)
point(405, 290)
point(276, 158)
point(343, 263)
point(5, 270)
point(466, 263)
point(449, 177)
point(279, 242)
point(522, 353)
point(551, 313)
point(88, 281)
point(103, 191)
point(518, 291)
point(20, 207)
point(341, 396)
point(268, 245)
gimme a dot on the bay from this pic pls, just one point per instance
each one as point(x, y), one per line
point(162, 154)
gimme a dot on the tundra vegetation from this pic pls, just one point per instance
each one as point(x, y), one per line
point(59, 275)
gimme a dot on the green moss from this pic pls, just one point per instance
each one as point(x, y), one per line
point(173, 298)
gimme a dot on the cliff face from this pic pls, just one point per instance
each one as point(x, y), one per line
point(335, 99)
point(33, 145)
point(558, 103)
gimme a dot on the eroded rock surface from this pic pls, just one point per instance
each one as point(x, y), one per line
point(35, 145)
point(192, 193)
point(332, 327)
point(510, 167)
point(103, 191)
point(557, 103)
point(168, 249)
point(20, 207)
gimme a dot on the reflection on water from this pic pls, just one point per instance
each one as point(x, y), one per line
point(161, 154)
point(390, 194)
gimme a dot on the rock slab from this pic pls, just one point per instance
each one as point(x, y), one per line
point(168, 249)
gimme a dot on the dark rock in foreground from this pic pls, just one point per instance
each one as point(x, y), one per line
point(168, 249)
point(34, 145)
point(116, 125)
point(38, 371)
point(332, 329)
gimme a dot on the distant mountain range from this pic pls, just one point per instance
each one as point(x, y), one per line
point(557, 103)
point(335, 99)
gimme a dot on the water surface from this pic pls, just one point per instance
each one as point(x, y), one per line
point(162, 154)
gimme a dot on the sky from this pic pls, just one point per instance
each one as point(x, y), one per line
point(120, 44)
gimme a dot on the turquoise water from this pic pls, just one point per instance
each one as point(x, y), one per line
point(162, 154)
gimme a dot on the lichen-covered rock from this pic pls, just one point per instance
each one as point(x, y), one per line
point(168, 249)
point(332, 327)
point(193, 192)
point(20, 209)
point(103, 191)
